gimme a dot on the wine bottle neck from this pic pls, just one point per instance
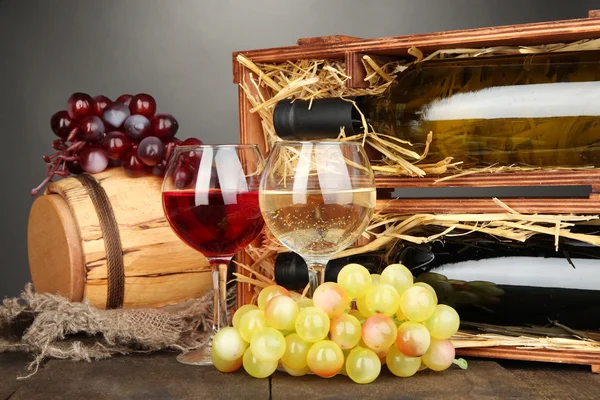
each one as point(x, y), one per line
point(324, 118)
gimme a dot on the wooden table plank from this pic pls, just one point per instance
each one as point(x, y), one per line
point(483, 380)
point(157, 376)
point(557, 381)
point(12, 365)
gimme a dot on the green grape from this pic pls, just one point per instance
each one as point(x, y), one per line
point(375, 279)
point(357, 314)
point(382, 298)
point(258, 369)
point(295, 372)
point(251, 322)
point(331, 298)
point(268, 344)
point(379, 332)
point(225, 366)
point(281, 313)
point(295, 353)
point(268, 293)
point(363, 366)
point(440, 355)
point(361, 304)
point(401, 365)
point(355, 279)
point(345, 331)
point(413, 339)
point(398, 276)
point(325, 358)
point(239, 313)
point(312, 324)
point(229, 344)
point(443, 323)
point(304, 303)
point(428, 286)
point(417, 303)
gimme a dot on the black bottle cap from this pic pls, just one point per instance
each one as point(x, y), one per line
point(291, 271)
point(293, 120)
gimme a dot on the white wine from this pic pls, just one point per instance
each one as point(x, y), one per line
point(317, 223)
point(525, 110)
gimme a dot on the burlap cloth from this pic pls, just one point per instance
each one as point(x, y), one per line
point(49, 326)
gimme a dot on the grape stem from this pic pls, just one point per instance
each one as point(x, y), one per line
point(461, 362)
point(59, 160)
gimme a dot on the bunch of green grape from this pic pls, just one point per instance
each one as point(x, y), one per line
point(395, 322)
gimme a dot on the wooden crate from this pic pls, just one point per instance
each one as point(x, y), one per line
point(351, 49)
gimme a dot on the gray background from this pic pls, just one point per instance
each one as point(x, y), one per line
point(180, 52)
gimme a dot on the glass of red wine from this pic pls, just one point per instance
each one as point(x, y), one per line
point(210, 198)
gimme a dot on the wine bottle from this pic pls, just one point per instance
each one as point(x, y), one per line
point(508, 283)
point(537, 110)
point(487, 280)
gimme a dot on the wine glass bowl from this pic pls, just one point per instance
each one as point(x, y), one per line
point(317, 198)
point(210, 199)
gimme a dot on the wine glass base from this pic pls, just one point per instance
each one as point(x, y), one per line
point(201, 357)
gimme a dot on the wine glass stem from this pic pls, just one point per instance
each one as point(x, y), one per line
point(316, 276)
point(220, 310)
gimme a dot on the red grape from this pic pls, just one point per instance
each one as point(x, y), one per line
point(59, 144)
point(114, 163)
point(74, 167)
point(133, 166)
point(191, 142)
point(164, 126)
point(116, 144)
point(143, 104)
point(124, 99)
point(91, 128)
point(151, 151)
point(137, 127)
point(115, 115)
point(62, 124)
point(182, 177)
point(80, 105)
point(159, 169)
point(100, 103)
point(93, 160)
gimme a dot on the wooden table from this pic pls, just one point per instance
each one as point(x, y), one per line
point(159, 376)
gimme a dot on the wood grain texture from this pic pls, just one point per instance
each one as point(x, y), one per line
point(326, 40)
point(475, 206)
point(54, 248)
point(543, 355)
point(251, 132)
point(159, 268)
point(510, 35)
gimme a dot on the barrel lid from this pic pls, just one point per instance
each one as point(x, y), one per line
point(54, 247)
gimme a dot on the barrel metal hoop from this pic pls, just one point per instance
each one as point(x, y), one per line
point(112, 241)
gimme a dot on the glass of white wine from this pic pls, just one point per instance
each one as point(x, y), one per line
point(317, 198)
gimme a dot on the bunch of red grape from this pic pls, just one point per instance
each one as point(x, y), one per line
point(396, 322)
point(95, 133)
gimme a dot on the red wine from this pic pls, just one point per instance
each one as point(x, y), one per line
point(214, 223)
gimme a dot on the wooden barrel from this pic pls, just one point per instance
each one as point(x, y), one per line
point(104, 238)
